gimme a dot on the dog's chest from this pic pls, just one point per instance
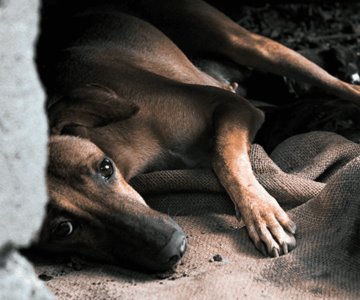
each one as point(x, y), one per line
point(188, 160)
point(179, 158)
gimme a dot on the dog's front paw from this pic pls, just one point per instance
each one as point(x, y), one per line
point(268, 225)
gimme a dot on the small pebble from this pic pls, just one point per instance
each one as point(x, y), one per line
point(217, 257)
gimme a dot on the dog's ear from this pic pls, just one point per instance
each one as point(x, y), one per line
point(89, 106)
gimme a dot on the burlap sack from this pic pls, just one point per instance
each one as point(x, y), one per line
point(314, 176)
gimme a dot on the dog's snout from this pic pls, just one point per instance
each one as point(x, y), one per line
point(175, 249)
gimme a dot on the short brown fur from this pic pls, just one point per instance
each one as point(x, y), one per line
point(124, 83)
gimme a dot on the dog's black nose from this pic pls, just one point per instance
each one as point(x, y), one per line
point(175, 249)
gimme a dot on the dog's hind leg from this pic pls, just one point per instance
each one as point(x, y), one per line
point(200, 28)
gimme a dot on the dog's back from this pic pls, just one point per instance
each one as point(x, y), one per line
point(103, 38)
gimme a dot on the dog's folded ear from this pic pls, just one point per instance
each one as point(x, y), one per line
point(89, 106)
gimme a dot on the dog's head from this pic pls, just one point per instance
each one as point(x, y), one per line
point(92, 211)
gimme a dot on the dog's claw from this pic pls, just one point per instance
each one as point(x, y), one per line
point(285, 248)
point(291, 242)
point(291, 227)
point(275, 252)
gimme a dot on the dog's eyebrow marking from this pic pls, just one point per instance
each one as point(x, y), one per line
point(91, 157)
point(83, 165)
point(72, 206)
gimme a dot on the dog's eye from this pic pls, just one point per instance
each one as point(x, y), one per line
point(64, 229)
point(106, 168)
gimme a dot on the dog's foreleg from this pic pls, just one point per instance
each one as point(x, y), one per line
point(267, 224)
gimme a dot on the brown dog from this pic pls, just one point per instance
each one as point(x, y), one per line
point(119, 78)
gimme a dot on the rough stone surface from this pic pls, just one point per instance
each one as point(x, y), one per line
point(23, 137)
point(22, 126)
point(18, 280)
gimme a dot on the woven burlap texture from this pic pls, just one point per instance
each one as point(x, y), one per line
point(314, 176)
